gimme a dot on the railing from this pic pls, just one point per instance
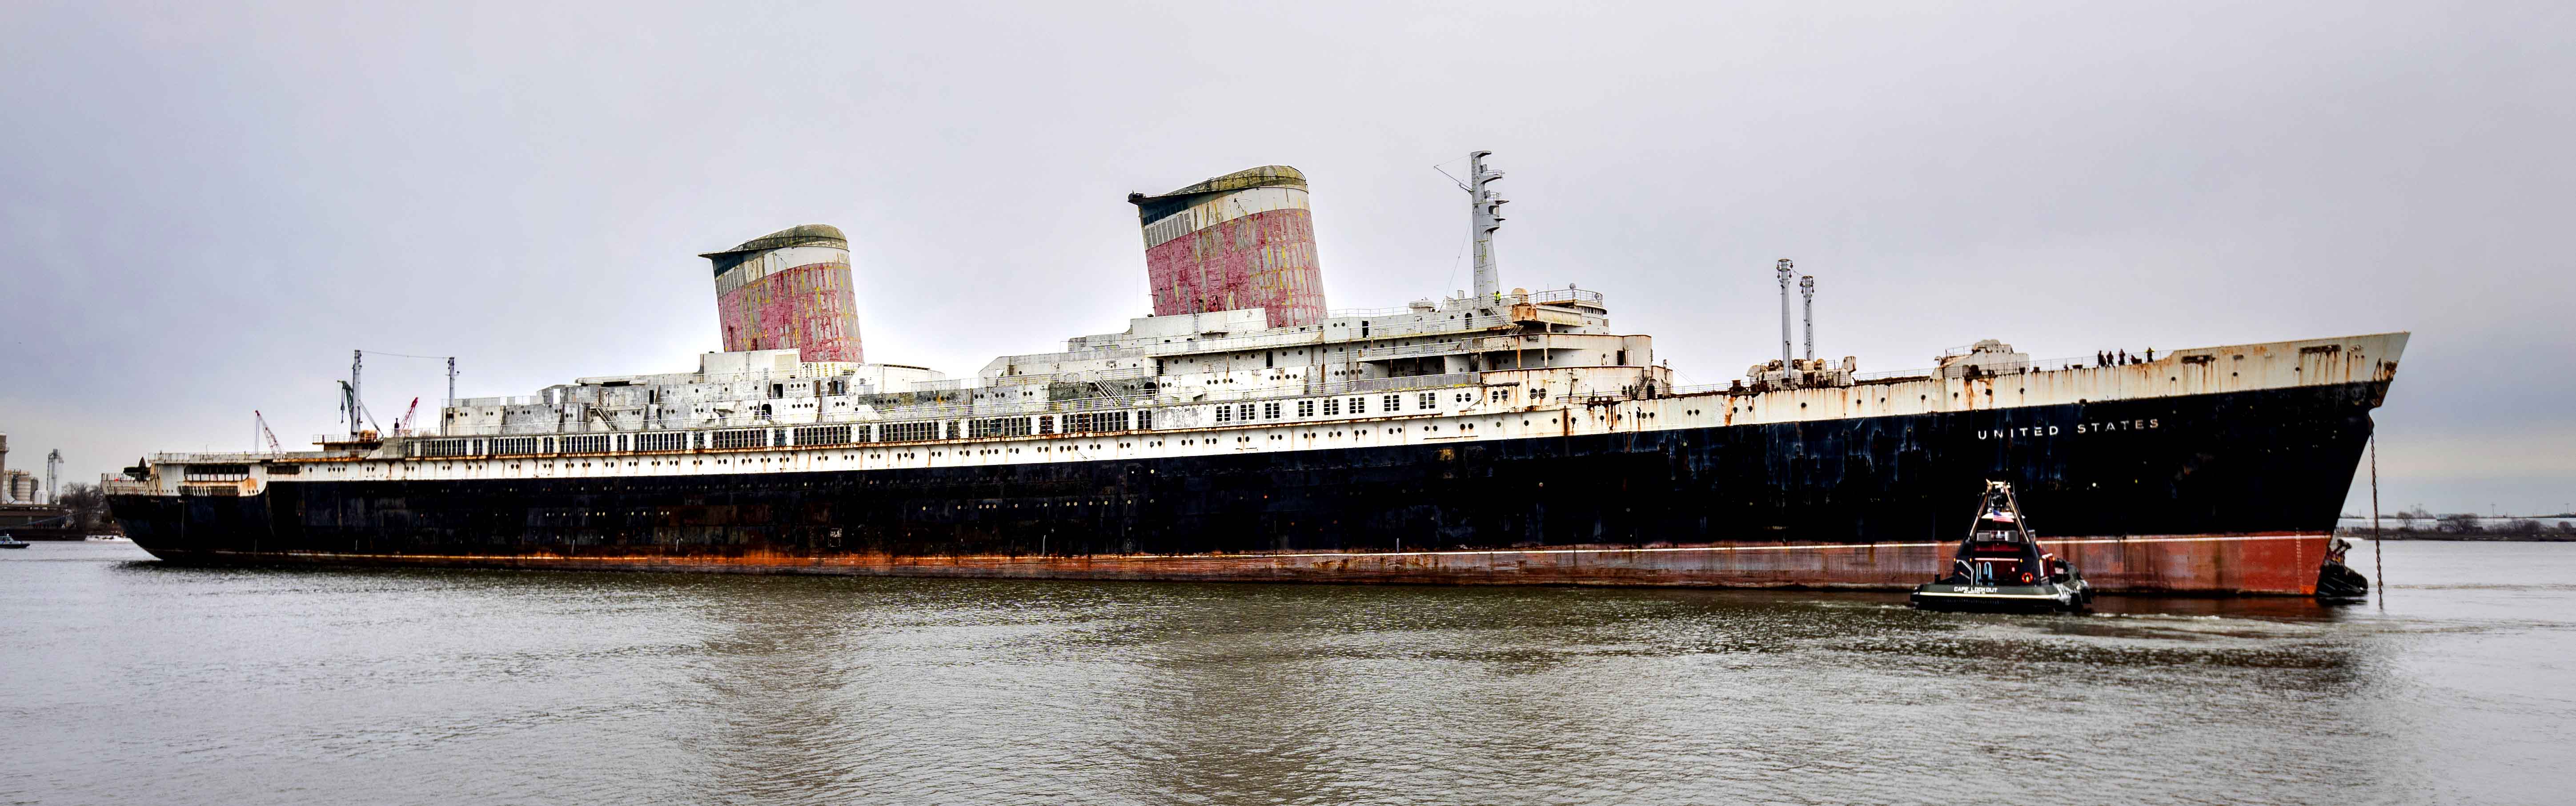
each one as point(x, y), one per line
point(1233, 343)
point(1396, 384)
point(2032, 365)
point(1442, 325)
point(1402, 351)
point(1556, 295)
point(1894, 374)
point(1359, 313)
point(236, 457)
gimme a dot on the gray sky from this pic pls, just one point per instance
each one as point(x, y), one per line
point(204, 208)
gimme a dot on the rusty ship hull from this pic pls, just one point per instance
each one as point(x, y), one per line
point(2231, 492)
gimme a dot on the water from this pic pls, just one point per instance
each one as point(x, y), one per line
point(130, 682)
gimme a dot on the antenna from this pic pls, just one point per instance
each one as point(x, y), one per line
point(1807, 288)
point(1786, 270)
point(1487, 217)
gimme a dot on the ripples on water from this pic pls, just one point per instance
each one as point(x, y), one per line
point(132, 682)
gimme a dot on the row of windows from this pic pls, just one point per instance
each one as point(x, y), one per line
point(1341, 406)
point(215, 472)
point(910, 432)
point(823, 435)
point(1074, 423)
point(998, 427)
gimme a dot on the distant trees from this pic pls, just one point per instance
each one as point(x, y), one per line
point(2407, 518)
point(2419, 524)
point(88, 506)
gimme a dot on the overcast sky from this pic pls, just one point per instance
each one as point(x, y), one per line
point(204, 208)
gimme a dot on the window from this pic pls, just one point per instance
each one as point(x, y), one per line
point(1392, 403)
point(1244, 412)
point(1269, 411)
point(1305, 408)
point(1225, 414)
point(749, 438)
point(1425, 400)
point(1332, 407)
point(1359, 405)
point(998, 427)
point(215, 472)
point(1095, 421)
point(1502, 394)
point(909, 432)
point(823, 435)
point(431, 448)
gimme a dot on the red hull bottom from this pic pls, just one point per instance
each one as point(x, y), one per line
point(2221, 565)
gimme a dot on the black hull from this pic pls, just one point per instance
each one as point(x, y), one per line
point(2272, 462)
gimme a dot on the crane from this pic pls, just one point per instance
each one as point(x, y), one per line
point(261, 421)
point(403, 426)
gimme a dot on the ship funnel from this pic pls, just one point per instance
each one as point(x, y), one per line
point(789, 289)
point(1787, 271)
point(1242, 240)
point(1807, 288)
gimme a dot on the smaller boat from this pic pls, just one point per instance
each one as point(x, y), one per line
point(8, 542)
point(2337, 582)
point(2002, 568)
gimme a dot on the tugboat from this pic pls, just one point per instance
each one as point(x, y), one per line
point(9, 542)
point(2002, 568)
point(2337, 582)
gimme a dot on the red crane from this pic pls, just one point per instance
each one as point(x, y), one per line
point(261, 420)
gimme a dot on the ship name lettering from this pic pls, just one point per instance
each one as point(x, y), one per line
point(2147, 424)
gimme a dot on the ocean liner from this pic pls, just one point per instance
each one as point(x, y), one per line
point(1244, 431)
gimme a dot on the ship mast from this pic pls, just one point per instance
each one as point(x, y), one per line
point(1488, 216)
point(1807, 288)
point(1787, 270)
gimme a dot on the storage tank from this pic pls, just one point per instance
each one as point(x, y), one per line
point(1242, 240)
point(789, 289)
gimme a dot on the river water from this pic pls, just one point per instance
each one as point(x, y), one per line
point(127, 681)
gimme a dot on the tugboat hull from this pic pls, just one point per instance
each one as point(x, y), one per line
point(2051, 598)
